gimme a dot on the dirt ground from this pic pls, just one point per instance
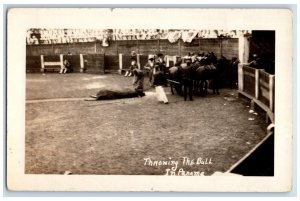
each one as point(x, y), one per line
point(66, 133)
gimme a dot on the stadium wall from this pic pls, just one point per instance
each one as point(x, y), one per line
point(227, 47)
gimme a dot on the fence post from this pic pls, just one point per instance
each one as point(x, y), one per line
point(61, 58)
point(138, 61)
point(168, 61)
point(174, 60)
point(42, 64)
point(103, 63)
point(240, 77)
point(179, 44)
point(81, 63)
point(256, 83)
point(120, 63)
point(244, 48)
point(271, 92)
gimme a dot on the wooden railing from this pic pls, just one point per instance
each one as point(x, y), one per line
point(124, 61)
point(54, 63)
point(258, 86)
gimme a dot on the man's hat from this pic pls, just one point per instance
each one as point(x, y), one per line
point(198, 58)
point(151, 57)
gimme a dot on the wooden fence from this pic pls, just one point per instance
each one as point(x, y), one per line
point(228, 47)
point(90, 63)
point(220, 46)
point(258, 86)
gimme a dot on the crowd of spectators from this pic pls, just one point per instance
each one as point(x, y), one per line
point(54, 36)
point(57, 36)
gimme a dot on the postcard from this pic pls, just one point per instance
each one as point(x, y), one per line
point(149, 99)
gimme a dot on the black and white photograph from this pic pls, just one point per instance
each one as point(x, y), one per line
point(149, 99)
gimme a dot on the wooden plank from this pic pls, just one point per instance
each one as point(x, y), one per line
point(61, 58)
point(249, 74)
point(256, 84)
point(49, 63)
point(265, 93)
point(81, 63)
point(264, 84)
point(138, 61)
point(42, 63)
point(271, 87)
point(120, 61)
point(240, 77)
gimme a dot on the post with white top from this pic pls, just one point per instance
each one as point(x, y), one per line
point(120, 63)
point(240, 77)
point(61, 58)
point(81, 63)
point(244, 48)
point(175, 60)
point(138, 60)
point(42, 64)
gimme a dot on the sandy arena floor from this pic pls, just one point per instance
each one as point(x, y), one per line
point(66, 133)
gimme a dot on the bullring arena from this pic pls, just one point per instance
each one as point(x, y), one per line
point(65, 134)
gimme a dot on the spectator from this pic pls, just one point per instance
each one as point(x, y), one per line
point(138, 82)
point(150, 66)
point(186, 79)
point(255, 62)
point(178, 62)
point(35, 41)
point(159, 80)
point(65, 67)
point(160, 61)
point(133, 65)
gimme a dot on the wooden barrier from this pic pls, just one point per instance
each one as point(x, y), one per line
point(258, 86)
point(125, 60)
point(229, 47)
point(33, 64)
point(142, 47)
point(171, 60)
point(53, 65)
point(76, 62)
point(111, 63)
point(93, 63)
point(143, 60)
